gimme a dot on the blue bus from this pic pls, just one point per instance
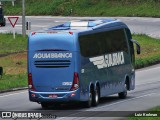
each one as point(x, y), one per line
point(81, 61)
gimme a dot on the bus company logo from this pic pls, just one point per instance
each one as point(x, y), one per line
point(108, 60)
point(52, 55)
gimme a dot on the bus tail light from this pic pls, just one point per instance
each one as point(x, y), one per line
point(33, 33)
point(75, 84)
point(71, 33)
point(30, 82)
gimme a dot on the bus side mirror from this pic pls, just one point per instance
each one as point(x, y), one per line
point(138, 47)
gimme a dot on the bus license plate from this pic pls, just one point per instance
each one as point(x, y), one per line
point(53, 96)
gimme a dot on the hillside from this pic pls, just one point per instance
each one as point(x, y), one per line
point(86, 7)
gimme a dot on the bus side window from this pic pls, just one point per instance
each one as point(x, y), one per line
point(103, 42)
point(116, 41)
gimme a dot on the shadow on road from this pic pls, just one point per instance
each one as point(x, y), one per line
point(80, 106)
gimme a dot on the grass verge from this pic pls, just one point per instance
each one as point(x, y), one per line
point(13, 81)
point(15, 65)
point(10, 45)
point(150, 51)
point(86, 7)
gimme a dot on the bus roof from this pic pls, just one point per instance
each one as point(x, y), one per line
point(84, 25)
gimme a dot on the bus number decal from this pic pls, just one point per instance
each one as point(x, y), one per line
point(66, 83)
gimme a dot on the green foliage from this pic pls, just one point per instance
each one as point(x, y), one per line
point(144, 118)
point(156, 108)
point(86, 7)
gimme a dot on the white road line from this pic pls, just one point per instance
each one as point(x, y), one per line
point(93, 109)
point(31, 26)
point(12, 94)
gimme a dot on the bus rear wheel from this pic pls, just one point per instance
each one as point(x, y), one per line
point(89, 103)
point(96, 96)
point(123, 95)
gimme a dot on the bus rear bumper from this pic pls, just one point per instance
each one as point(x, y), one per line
point(54, 96)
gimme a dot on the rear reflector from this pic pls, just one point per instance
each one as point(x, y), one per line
point(75, 84)
point(33, 95)
point(73, 94)
point(30, 82)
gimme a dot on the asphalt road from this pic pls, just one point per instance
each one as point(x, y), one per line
point(145, 96)
point(138, 25)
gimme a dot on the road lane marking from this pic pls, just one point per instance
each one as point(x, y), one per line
point(32, 26)
point(12, 94)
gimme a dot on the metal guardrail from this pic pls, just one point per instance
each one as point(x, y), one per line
point(8, 0)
